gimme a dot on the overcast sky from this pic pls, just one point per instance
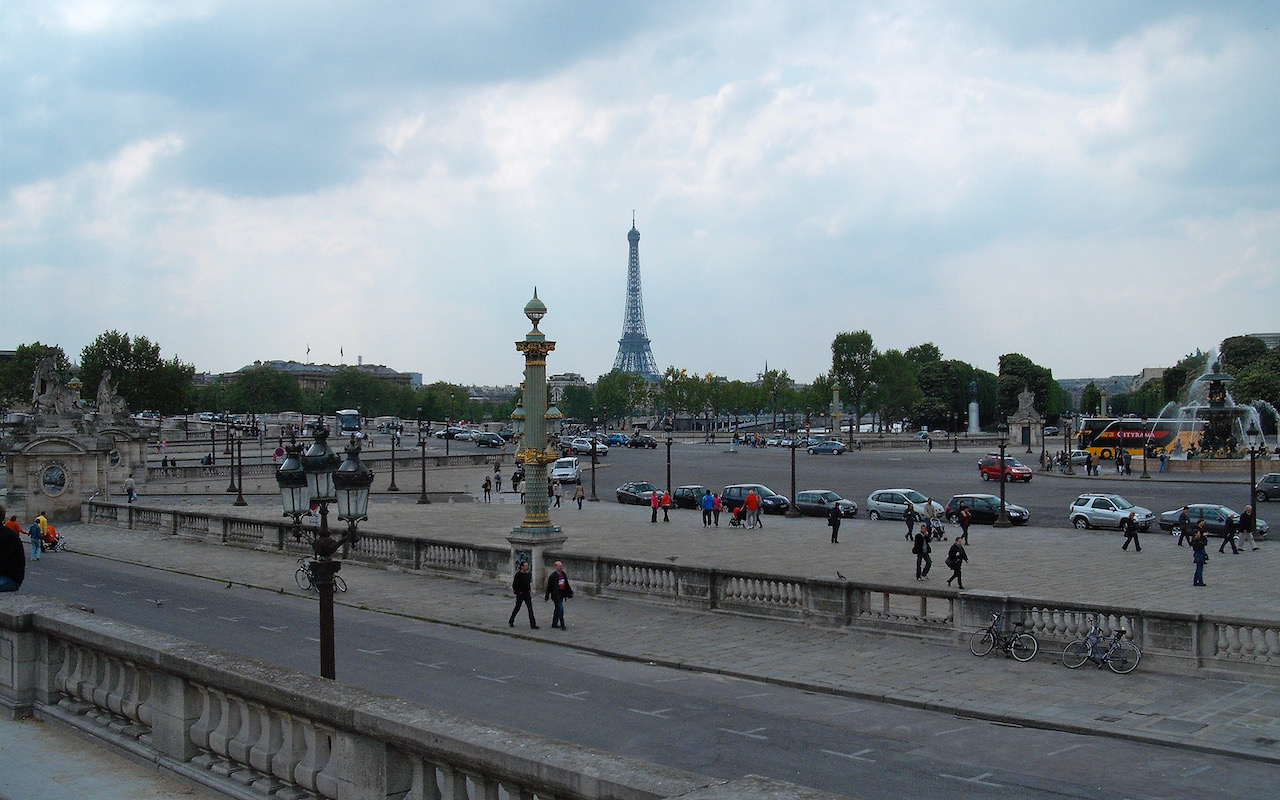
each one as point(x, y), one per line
point(1093, 185)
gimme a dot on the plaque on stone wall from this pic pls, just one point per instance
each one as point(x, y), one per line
point(53, 480)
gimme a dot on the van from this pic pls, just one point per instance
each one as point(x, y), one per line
point(566, 470)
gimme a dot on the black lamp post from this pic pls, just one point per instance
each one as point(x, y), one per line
point(226, 415)
point(393, 487)
point(1254, 450)
point(595, 428)
point(1002, 521)
point(794, 432)
point(1067, 419)
point(231, 450)
point(240, 501)
point(1146, 445)
point(955, 431)
point(422, 445)
point(317, 477)
point(667, 427)
point(213, 444)
point(448, 424)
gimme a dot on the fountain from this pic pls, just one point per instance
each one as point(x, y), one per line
point(1210, 424)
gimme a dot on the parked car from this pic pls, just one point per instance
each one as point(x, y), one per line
point(770, 501)
point(582, 447)
point(984, 509)
point(1095, 510)
point(892, 503)
point(566, 470)
point(688, 496)
point(636, 493)
point(1216, 518)
point(643, 440)
point(829, 447)
point(1268, 488)
point(617, 440)
point(773, 441)
point(507, 433)
point(455, 433)
point(818, 502)
point(1014, 470)
point(1079, 457)
point(1052, 430)
point(489, 440)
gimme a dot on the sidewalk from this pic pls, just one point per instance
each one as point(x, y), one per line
point(1229, 717)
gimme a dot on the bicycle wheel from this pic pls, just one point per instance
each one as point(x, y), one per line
point(1075, 654)
point(339, 584)
point(981, 642)
point(1124, 659)
point(1024, 647)
point(303, 577)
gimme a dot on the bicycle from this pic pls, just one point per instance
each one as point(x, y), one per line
point(306, 580)
point(1019, 644)
point(1120, 655)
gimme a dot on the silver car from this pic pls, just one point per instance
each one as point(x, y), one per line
point(1093, 510)
point(892, 503)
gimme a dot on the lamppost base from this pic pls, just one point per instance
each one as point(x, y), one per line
point(423, 500)
point(1002, 522)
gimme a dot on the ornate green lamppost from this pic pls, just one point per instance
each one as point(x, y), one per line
point(535, 535)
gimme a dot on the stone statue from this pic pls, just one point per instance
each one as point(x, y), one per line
point(46, 387)
point(109, 403)
point(1026, 400)
point(973, 391)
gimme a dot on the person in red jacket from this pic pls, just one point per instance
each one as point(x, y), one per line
point(13, 558)
point(752, 505)
point(666, 506)
point(655, 500)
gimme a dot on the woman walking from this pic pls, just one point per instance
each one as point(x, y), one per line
point(956, 557)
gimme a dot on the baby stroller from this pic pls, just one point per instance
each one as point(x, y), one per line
point(738, 517)
point(937, 531)
point(52, 541)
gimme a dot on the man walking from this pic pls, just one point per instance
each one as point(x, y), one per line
point(1228, 536)
point(921, 549)
point(833, 519)
point(965, 517)
point(708, 506)
point(1184, 525)
point(558, 590)
point(1199, 541)
point(522, 586)
point(1249, 527)
point(655, 500)
point(956, 557)
point(752, 505)
point(909, 517)
point(1130, 527)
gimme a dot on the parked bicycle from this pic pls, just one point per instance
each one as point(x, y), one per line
point(1115, 652)
point(1017, 643)
point(307, 581)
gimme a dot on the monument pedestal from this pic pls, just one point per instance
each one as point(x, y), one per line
point(973, 419)
point(532, 545)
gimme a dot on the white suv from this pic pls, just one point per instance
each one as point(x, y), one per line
point(1106, 511)
point(566, 470)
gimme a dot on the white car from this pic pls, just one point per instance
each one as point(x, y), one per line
point(566, 470)
point(892, 503)
point(1093, 510)
point(582, 447)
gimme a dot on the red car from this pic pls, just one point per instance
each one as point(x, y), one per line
point(1014, 470)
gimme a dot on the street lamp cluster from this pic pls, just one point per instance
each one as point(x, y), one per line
point(319, 476)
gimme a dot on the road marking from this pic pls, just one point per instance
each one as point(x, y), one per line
point(231, 619)
point(374, 652)
point(308, 638)
point(953, 730)
point(747, 696)
point(574, 696)
point(975, 779)
point(858, 756)
point(64, 580)
point(1197, 771)
point(273, 630)
point(93, 585)
point(853, 710)
point(123, 594)
point(754, 733)
point(672, 680)
point(503, 679)
point(195, 610)
point(437, 665)
point(1066, 750)
point(657, 713)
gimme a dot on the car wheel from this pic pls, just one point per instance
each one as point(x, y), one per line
point(810, 451)
point(1081, 523)
point(985, 476)
point(1260, 497)
point(952, 518)
point(873, 515)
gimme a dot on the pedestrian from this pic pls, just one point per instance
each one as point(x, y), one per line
point(578, 494)
point(13, 559)
point(558, 590)
point(37, 540)
point(1199, 541)
point(708, 507)
point(1088, 463)
point(965, 517)
point(497, 476)
point(1164, 461)
point(1129, 525)
point(1184, 525)
point(930, 514)
point(833, 519)
point(752, 505)
point(1229, 536)
point(715, 510)
point(130, 488)
point(557, 491)
point(956, 557)
point(655, 501)
point(909, 516)
point(1128, 462)
point(666, 506)
point(921, 549)
point(1119, 462)
point(1249, 527)
point(522, 587)
point(487, 486)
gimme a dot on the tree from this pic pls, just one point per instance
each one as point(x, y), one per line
point(1091, 399)
point(142, 377)
point(263, 389)
point(16, 374)
point(897, 386)
point(1017, 372)
point(852, 357)
point(1240, 352)
point(619, 394)
point(1260, 381)
point(815, 399)
point(577, 403)
point(921, 354)
point(778, 392)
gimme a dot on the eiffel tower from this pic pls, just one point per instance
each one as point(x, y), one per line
point(634, 355)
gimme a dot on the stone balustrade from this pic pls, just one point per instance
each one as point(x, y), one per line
point(244, 729)
point(1170, 641)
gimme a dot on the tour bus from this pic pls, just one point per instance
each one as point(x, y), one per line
point(349, 422)
point(1103, 436)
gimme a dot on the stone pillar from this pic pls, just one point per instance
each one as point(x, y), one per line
point(973, 418)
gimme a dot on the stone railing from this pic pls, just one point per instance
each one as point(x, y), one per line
point(406, 461)
point(242, 728)
point(1172, 642)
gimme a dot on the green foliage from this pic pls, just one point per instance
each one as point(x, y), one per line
point(1091, 400)
point(815, 399)
point(144, 379)
point(1260, 380)
point(16, 375)
point(1017, 372)
point(852, 357)
point(897, 386)
point(779, 393)
point(577, 403)
point(922, 354)
point(1239, 352)
point(620, 394)
point(263, 390)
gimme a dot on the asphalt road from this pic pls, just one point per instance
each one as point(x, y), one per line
point(710, 724)
point(938, 474)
